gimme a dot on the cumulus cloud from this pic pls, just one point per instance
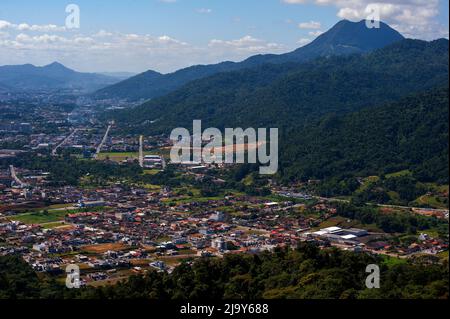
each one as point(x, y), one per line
point(303, 41)
point(5, 25)
point(315, 33)
point(204, 10)
point(413, 18)
point(246, 44)
point(310, 25)
point(114, 51)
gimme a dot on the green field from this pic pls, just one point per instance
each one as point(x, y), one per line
point(151, 171)
point(392, 261)
point(399, 174)
point(40, 217)
point(118, 157)
point(53, 225)
point(430, 201)
point(367, 182)
point(122, 156)
point(51, 216)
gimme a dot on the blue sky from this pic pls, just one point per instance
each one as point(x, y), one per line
point(127, 35)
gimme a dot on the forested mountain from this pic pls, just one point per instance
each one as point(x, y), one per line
point(4, 88)
point(344, 38)
point(133, 88)
point(411, 134)
point(291, 95)
point(51, 77)
point(308, 101)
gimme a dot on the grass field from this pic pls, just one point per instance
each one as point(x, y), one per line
point(430, 201)
point(118, 157)
point(51, 215)
point(444, 255)
point(367, 182)
point(188, 199)
point(40, 217)
point(399, 174)
point(54, 225)
point(151, 171)
point(392, 261)
point(122, 156)
point(345, 223)
point(152, 187)
point(58, 206)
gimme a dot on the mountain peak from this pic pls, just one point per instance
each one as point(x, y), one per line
point(54, 76)
point(56, 65)
point(344, 38)
point(356, 36)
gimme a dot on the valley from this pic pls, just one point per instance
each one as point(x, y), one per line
point(88, 178)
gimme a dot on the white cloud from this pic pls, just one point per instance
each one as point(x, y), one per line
point(102, 34)
point(315, 33)
point(310, 25)
point(414, 18)
point(246, 44)
point(115, 51)
point(27, 27)
point(295, 1)
point(204, 10)
point(4, 25)
point(303, 41)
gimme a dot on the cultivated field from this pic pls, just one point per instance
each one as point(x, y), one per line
point(102, 248)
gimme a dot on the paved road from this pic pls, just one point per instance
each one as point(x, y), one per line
point(12, 170)
point(384, 205)
point(163, 162)
point(419, 208)
point(55, 150)
point(105, 137)
point(141, 151)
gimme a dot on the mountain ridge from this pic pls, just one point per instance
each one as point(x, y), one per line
point(53, 76)
point(278, 92)
point(329, 43)
point(309, 102)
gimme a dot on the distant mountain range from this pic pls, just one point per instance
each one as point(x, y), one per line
point(51, 77)
point(4, 88)
point(344, 38)
point(119, 75)
point(287, 95)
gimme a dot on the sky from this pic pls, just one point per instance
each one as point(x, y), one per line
point(166, 35)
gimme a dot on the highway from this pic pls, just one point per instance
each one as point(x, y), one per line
point(105, 137)
point(12, 170)
point(163, 162)
point(55, 150)
point(141, 151)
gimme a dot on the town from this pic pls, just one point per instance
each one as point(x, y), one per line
point(121, 207)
